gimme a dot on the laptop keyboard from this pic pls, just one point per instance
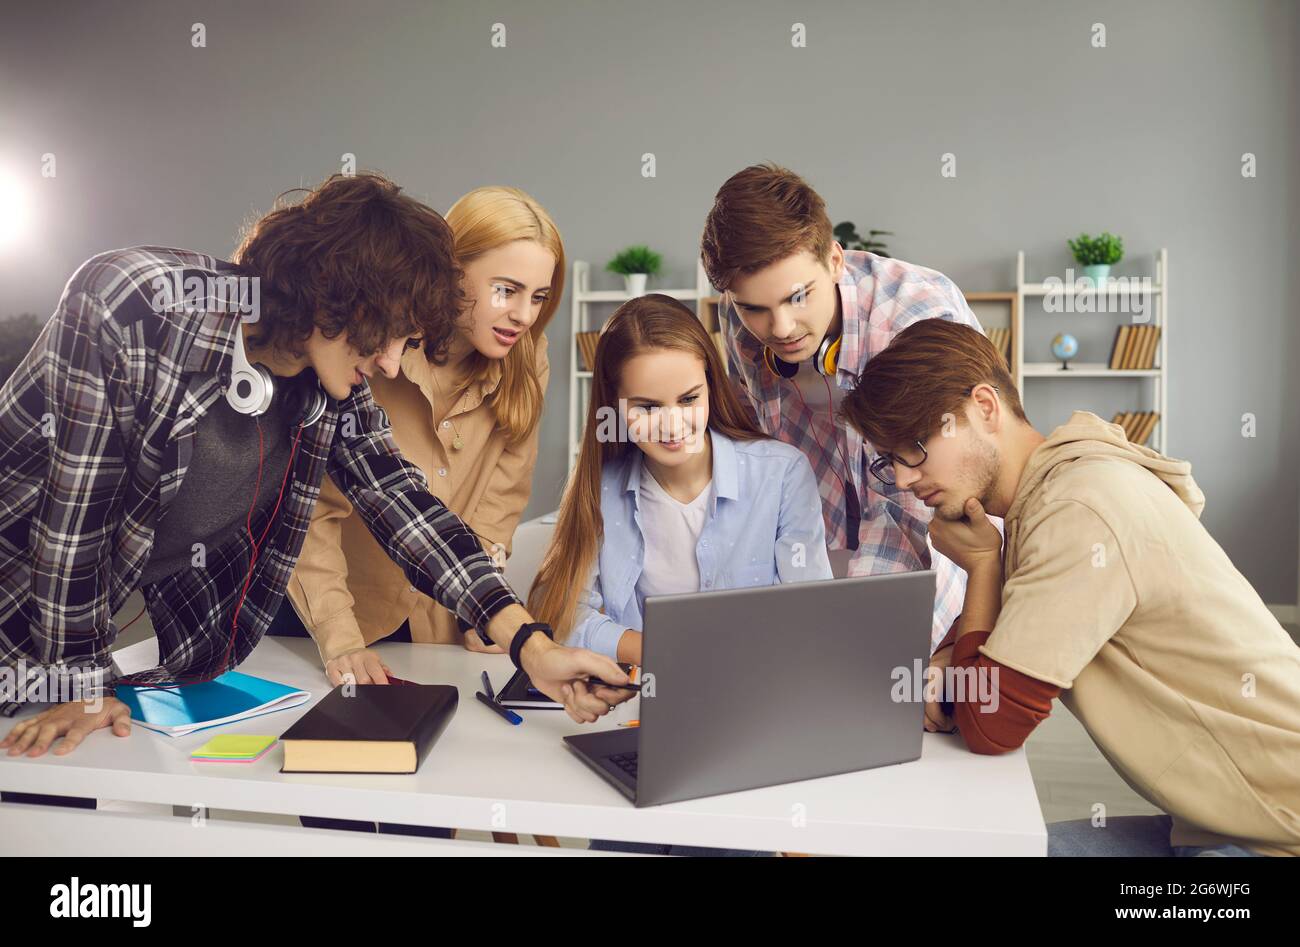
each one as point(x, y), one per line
point(625, 761)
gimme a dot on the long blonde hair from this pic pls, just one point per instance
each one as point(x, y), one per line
point(482, 220)
point(639, 325)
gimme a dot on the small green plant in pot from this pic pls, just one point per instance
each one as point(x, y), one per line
point(1097, 254)
point(850, 239)
point(635, 264)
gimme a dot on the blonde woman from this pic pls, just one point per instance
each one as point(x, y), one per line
point(467, 416)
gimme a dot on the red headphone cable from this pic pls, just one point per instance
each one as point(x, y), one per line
point(252, 563)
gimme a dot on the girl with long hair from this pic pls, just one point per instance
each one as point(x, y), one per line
point(675, 490)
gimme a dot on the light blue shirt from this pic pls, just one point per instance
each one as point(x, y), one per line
point(764, 526)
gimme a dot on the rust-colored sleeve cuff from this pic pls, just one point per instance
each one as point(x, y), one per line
point(998, 707)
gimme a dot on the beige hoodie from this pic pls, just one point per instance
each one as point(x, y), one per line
point(1115, 592)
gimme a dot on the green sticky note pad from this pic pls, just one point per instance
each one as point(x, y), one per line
point(233, 746)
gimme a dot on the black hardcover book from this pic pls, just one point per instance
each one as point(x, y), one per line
point(369, 728)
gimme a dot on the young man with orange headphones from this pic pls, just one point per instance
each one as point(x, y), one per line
point(800, 317)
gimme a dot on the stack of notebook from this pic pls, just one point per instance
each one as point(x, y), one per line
point(184, 708)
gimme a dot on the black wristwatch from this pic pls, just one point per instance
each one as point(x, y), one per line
point(523, 634)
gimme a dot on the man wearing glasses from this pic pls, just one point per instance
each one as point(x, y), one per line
point(801, 317)
point(1108, 594)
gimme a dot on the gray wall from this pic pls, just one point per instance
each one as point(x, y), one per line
point(159, 142)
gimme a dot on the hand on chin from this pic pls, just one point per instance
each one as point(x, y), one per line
point(968, 539)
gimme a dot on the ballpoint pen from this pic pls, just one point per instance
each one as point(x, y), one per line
point(489, 699)
point(496, 708)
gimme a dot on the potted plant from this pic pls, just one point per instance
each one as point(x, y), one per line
point(849, 239)
point(635, 264)
point(1096, 254)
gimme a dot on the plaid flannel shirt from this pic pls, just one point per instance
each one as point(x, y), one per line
point(96, 432)
point(880, 298)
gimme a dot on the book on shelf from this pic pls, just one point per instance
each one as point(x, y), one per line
point(1134, 347)
point(1148, 357)
point(1131, 349)
point(1134, 343)
point(1139, 346)
point(587, 349)
point(1117, 348)
point(1138, 425)
point(1145, 432)
point(1000, 336)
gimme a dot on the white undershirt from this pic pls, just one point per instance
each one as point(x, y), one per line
point(672, 531)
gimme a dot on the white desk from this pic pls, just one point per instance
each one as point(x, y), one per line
point(485, 774)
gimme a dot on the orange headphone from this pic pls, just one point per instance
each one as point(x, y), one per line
point(825, 361)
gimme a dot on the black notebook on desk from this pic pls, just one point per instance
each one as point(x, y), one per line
point(376, 728)
point(520, 694)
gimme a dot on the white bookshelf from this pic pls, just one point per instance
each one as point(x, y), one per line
point(1157, 393)
point(582, 300)
point(1084, 370)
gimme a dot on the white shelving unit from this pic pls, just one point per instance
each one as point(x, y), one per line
point(1159, 375)
point(582, 299)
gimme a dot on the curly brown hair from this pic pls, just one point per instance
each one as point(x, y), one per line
point(354, 255)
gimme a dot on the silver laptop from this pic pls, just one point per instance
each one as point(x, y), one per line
point(756, 687)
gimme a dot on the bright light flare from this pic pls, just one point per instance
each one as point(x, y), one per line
point(15, 208)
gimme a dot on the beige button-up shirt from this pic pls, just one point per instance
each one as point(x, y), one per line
point(345, 588)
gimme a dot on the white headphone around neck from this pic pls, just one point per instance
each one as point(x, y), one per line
point(251, 388)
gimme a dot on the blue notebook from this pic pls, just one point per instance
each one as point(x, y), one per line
point(225, 699)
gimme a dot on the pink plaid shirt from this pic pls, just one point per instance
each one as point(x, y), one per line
point(880, 298)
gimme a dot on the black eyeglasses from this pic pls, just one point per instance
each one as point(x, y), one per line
point(882, 468)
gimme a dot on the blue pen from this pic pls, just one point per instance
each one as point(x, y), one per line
point(510, 715)
point(490, 698)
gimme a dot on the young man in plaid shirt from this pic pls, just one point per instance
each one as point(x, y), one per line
point(800, 317)
point(126, 387)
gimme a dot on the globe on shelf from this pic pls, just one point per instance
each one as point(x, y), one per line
point(1065, 347)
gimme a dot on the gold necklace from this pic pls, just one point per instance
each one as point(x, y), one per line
point(456, 442)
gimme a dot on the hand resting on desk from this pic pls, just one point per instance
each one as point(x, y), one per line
point(71, 721)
